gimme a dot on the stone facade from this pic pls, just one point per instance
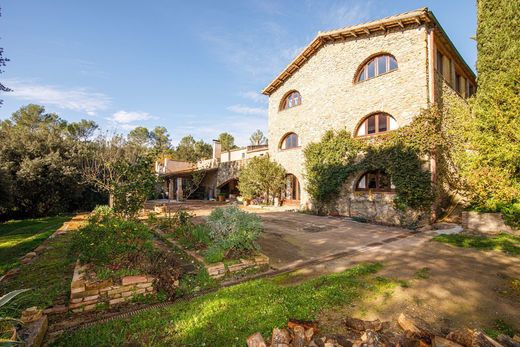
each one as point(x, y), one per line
point(375, 207)
point(331, 99)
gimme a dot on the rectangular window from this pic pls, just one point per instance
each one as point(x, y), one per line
point(439, 62)
point(371, 69)
point(382, 123)
point(457, 83)
point(371, 125)
point(381, 65)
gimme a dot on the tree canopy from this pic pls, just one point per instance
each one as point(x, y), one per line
point(257, 138)
point(227, 141)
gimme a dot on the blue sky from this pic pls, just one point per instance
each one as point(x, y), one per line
point(195, 67)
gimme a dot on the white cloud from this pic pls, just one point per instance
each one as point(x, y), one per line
point(124, 117)
point(76, 99)
point(254, 96)
point(241, 109)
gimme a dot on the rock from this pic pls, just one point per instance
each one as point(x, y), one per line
point(343, 342)
point(370, 338)
point(404, 341)
point(304, 323)
point(438, 341)
point(507, 341)
point(416, 326)
point(280, 338)
point(33, 333)
point(309, 333)
point(31, 314)
point(256, 340)
point(298, 336)
point(472, 338)
point(133, 280)
point(362, 325)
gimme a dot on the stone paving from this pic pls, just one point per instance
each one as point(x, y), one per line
point(291, 238)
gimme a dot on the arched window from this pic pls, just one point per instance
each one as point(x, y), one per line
point(291, 99)
point(375, 180)
point(376, 66)
point(289, 141)
point(376, 123)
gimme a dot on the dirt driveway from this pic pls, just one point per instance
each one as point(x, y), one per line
point(290, 238)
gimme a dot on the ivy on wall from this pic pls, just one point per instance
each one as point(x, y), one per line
point(401, 154)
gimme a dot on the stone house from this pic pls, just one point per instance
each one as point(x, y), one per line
point(369, 79)
point(219, 174)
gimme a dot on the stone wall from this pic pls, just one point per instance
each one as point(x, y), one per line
point(330, 99)
point(86, 295)
point(228, 170)
point(373, 206)
point(219, 270)
point(486, 223)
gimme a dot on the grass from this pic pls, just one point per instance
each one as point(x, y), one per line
point(500, 327)
point(422, 274)
point(227, 316)
point(48, 276)
point(506, 243)
point(19, 237)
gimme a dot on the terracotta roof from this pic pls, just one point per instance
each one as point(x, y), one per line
point(419, 16)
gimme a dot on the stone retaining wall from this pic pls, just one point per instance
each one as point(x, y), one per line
point(87, 295)
point(219, 270)
point(486, 223)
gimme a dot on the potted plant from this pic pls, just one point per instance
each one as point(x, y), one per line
point(221, 197)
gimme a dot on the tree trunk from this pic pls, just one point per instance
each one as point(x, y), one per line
point(110, 200)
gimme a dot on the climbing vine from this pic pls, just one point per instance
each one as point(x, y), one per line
point(401, 154)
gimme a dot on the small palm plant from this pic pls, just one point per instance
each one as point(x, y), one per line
point(7, 329)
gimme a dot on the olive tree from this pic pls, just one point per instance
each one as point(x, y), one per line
point(261, 176)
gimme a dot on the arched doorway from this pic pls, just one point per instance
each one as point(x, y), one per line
point(230, 187)
point(292, 190)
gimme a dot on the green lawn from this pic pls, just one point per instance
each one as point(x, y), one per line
point(228, 316)
point(504, 242)
point(19, 237)
point(48, 276)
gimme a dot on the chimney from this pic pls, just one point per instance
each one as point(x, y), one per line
point(217, 149)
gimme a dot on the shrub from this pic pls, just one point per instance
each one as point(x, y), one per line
point(101, 212)
point(233, 228)
point(110, 240)
point(183, 217)
point(193, 235)
point(214, 254)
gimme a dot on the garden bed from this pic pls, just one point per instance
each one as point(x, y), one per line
point(228, 267)
point(224, 243)
point(89, 292)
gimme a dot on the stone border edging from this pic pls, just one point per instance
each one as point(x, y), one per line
point(219, 270)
